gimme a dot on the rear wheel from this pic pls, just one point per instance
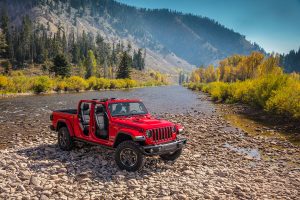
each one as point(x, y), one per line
point(128, 156)
point(65, 141)
point(171, 156)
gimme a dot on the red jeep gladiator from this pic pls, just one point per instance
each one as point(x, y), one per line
point(122, 124)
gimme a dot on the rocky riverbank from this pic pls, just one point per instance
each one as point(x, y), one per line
point(220, 162)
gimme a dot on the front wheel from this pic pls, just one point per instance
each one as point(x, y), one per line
point(171, 156)
point(65, 141)
point(128, 156)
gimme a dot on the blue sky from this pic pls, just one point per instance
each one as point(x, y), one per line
point(273, 24)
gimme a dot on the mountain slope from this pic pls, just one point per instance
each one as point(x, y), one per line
point(172, 39)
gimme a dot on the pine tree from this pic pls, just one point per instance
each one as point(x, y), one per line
point(135, 60)
point(138, 60)
point(113, 55)
point(75, 54)
point(61, 66)
point(6, 66)
point(5, 30)
point(3, 45)
point(105, 68)
point(26, 36)
point(124, 67)
point(181, 76)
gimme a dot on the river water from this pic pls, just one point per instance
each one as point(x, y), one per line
point(29, 115)
point(25, 119)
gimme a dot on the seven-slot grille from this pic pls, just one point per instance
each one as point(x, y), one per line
point(160, 134)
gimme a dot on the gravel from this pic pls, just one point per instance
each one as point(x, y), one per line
point(35, 168)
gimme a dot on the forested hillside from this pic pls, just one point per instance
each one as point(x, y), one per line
point(291, 61)
point(171, 39)
point(31, 43)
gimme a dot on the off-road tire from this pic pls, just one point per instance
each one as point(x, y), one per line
point(68, 143)
point(135, 148)
point(172, 156)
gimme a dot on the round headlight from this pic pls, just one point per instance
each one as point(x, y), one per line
point(149, 133)
point(174, 129)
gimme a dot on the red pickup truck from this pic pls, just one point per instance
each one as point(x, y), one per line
point(122, 124)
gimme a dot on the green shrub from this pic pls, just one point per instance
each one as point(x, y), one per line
point(21, 84)
point(41, 84)
point(76, 83)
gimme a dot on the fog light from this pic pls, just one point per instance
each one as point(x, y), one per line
point(180, 130)
point(174, 129)
point(140, 138)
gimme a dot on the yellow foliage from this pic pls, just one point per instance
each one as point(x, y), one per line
point(103, 83)
point(16, 73)
point(195, 77)
point(117, 84)
point(286, 100)
point(3, 82)
point(59, 85)
point(18, 83)
point(130, 83)
point(41, 84)
point(92, 83)
point(76, 83)
point(279, 94)
point(238, 67)
point(253, 80)
point(217, 90)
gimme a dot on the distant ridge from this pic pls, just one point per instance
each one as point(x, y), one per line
point(173, 40)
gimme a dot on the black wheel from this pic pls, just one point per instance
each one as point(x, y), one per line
point(65, 141)
point(171, 156)
point(128, 156)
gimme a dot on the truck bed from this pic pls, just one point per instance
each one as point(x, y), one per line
point(67, 111)
point(66, 115)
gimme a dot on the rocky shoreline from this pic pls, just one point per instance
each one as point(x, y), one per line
point(220, 162)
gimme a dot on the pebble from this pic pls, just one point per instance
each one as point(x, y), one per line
point(35, 181)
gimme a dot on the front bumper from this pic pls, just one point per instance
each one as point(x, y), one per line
point(164, 148)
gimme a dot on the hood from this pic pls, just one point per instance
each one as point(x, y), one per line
point(145, 122)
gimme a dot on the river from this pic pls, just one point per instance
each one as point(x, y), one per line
point(26, 115)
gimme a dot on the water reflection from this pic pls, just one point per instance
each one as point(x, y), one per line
point(251, 152)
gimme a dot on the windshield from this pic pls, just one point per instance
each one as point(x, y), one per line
point(127, 108)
